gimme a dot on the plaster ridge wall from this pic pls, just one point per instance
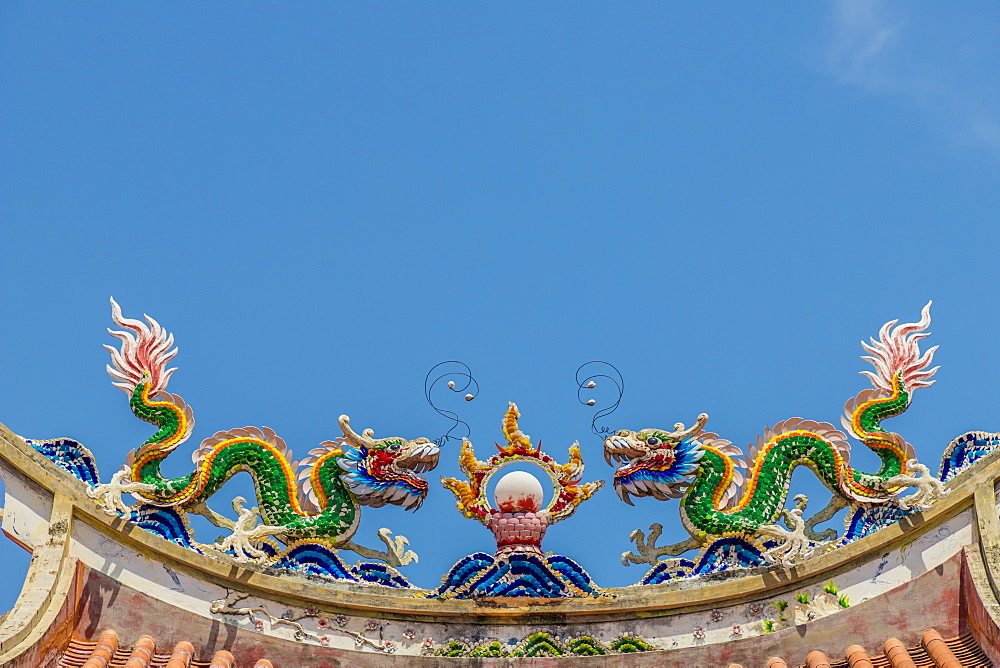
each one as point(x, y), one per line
point(622, 603)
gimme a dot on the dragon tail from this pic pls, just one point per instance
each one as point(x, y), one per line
point(139, 368)
point(899, 369)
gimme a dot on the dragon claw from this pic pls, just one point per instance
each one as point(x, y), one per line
point(793, 544)
point(648, 552)
point(929, 488)
point(397, 547)
point(109, 495)
point(245, 534)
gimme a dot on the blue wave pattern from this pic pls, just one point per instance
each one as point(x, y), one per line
point(166, 523)
point(382, 574)
point(965, 451)
point(866, 520)
point(727, 553)
point(320, 559)
point(732, 552)
point(315, 559)
point(311, 558)
point(481, 575)
point(69, 455)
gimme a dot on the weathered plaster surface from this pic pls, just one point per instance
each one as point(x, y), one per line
point(26, 508)
point(905, 611)
point(933, 569)
point(926, 553)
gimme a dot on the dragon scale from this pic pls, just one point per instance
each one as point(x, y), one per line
point(317, 498)
point(272, 474)
point(717, 498)
point(702, 509)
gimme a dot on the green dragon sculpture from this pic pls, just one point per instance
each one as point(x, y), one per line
point(317, 498)
point(717, 499)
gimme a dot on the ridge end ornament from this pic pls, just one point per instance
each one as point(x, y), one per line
point(734, 499)
point(315, 499)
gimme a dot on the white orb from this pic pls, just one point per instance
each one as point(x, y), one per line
point(518, 491)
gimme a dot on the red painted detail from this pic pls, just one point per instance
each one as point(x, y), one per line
point(521, 504)
point(519, 541)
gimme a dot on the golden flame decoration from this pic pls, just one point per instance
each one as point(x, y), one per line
point(517, 441)
point(470, 495)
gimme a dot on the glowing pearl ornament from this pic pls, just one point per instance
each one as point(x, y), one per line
point(518, 492)
point(516, 517)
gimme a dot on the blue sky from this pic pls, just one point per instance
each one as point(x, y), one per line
point(322, 201)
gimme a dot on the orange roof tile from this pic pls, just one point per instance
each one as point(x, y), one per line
point(933, 651)
point(107, 653)
point(817, 659)
point(857, 657)
point(897, 655)
point(142, 655)
point(939, 650)
point(106, 647)
point(223, 659)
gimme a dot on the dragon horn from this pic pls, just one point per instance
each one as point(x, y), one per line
point(364, 439)
point(681, 433)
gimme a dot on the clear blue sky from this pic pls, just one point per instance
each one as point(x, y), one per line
point(322, 201)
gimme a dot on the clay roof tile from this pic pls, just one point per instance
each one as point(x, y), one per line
point(106, 653)
point(896, 652)
point(934, 650)
point(106, 647)
point(181, 657)
point(938, 649)
point(857, 657)
point(223, 659)
point(142, 654)
point(816, 659)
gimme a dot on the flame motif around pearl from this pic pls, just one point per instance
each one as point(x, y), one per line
point(569, 491)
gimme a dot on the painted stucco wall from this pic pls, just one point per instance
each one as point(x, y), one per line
point(934, 570)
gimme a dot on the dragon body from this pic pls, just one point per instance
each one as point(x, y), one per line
point(723, 494)
point(316, 498)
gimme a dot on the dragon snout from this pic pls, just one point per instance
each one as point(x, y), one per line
point(618, 448)
point(424, 458)
point(611, 450)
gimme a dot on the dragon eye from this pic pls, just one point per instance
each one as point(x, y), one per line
point(653, 441)
point(395, 445)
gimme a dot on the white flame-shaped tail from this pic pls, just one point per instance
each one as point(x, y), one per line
point(898, 351)
point(144, 348)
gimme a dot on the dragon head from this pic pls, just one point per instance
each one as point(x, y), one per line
point(655, 462)
point(380, 471)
